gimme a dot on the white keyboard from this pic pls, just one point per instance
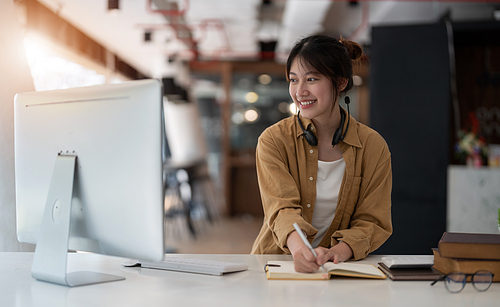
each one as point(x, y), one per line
point(192, 265)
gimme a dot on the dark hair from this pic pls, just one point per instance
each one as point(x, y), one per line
point(328, 56)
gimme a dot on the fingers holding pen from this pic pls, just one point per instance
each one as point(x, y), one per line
point(324, 255)
point(305, 261)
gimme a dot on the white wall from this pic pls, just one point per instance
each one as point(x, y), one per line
point(14, 77)
point(473, 199)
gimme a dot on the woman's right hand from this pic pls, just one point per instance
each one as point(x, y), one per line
point(303, 258)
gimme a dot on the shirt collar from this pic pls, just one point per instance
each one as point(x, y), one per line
point(307, 124)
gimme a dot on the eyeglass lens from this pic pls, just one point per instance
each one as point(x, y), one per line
point(455, 282)
point(481, 280)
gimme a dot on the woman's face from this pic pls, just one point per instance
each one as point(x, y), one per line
point(312, 92)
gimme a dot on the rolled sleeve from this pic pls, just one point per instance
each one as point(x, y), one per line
point(279, 192)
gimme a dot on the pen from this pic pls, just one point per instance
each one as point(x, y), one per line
point(306, 242)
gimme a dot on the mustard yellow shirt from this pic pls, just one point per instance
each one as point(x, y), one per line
point(287, 167)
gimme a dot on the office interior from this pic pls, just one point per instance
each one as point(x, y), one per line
point(429, 84)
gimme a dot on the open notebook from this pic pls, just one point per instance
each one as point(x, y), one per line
point(286, 270)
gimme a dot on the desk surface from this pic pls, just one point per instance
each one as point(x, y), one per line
point(145, 287)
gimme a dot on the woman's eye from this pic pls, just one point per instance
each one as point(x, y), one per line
point(311, 79)
point(292, 80)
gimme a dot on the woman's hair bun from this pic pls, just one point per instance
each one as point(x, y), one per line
point(353, 49)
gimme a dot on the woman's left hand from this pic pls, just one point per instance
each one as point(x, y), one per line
point(339, 253)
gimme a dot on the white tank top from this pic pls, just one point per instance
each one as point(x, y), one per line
point(328, 183)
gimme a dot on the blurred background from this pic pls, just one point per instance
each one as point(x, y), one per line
point(429, 83)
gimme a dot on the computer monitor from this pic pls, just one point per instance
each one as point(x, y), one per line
point(88, 167)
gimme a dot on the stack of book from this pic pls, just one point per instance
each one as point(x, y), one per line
point(468, 253)
point(409, 267)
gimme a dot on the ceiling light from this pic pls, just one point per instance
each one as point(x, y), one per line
point(251, 97)
point(267, 50)
point(113, 5)
point(265, 79)
point(353, 3)
point(147, 35)
point(293, 108)
point(251, 115)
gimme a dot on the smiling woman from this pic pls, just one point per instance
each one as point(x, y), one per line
point(300, 180)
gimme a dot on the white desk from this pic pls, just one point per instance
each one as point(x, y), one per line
point(145, 287)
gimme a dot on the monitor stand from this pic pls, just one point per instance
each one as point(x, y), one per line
point(51, 253)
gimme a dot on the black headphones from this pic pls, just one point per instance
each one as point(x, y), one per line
point(337, 136)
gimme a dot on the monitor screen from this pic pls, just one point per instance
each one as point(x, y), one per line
point(101, 148)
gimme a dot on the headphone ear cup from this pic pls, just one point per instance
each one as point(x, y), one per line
point(310, 138)
point(337, 136)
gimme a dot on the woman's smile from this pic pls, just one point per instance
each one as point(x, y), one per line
point(306, 103)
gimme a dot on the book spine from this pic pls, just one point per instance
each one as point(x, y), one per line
point(469, 250)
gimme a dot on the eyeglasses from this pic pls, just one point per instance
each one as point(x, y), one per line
point(455, 281)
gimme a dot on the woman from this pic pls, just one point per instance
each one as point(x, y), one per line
point(321, 168)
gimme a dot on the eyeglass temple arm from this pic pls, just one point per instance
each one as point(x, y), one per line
point(442, 277)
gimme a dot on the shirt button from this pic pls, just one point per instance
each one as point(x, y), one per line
point(311, 178)
point(311, 151)
point(308, 205)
